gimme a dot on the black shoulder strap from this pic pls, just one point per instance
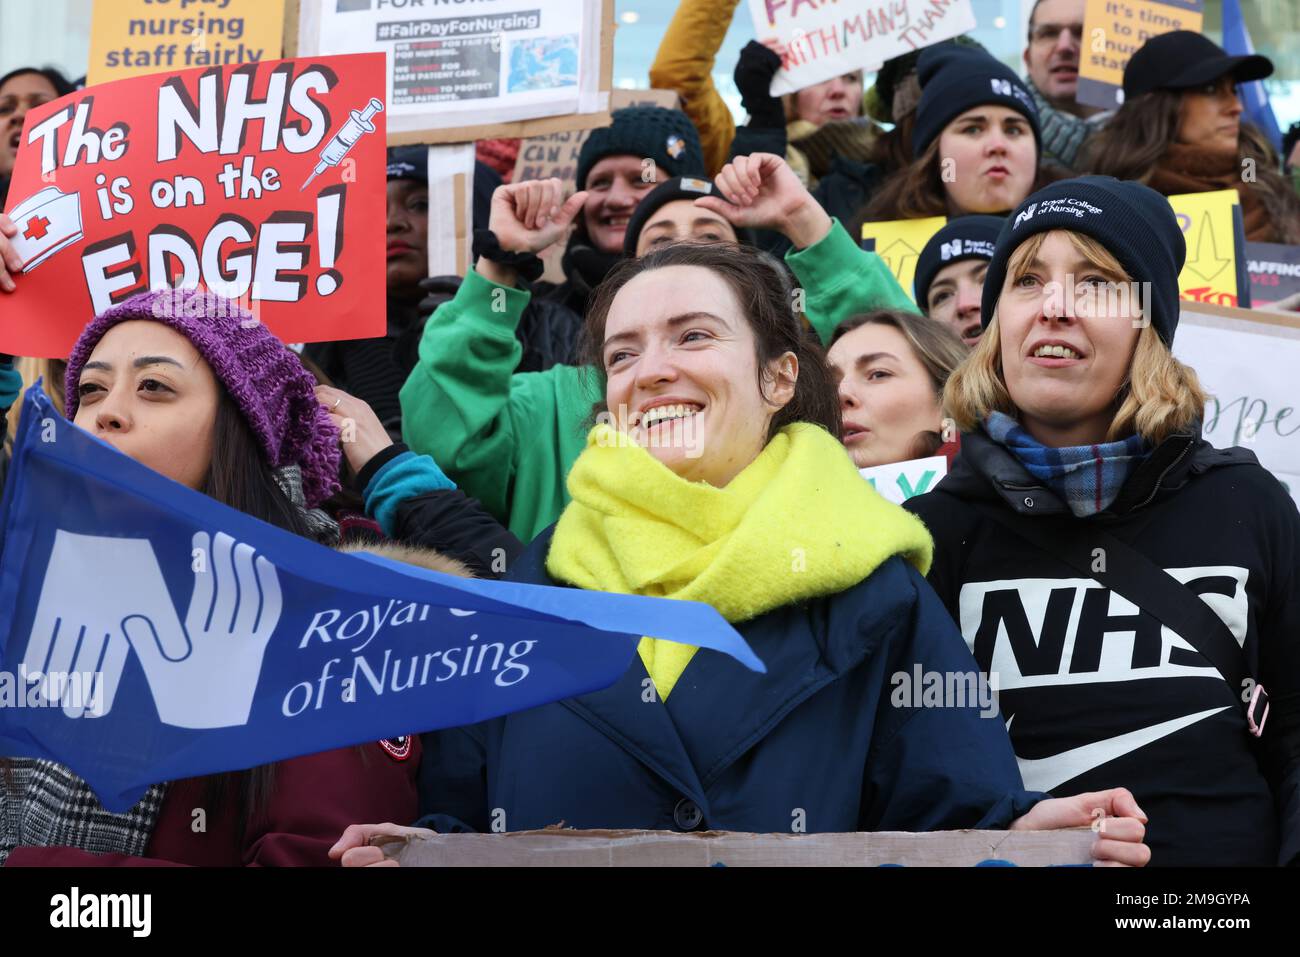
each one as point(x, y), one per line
point(1133, 575)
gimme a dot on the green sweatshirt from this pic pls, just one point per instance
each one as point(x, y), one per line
point(508, 439)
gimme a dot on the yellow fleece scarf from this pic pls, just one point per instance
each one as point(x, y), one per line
point(797, 523)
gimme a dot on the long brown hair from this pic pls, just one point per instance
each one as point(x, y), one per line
point(764, 294)
point(1132, 144)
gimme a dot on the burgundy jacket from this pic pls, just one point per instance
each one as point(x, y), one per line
point(312, 800)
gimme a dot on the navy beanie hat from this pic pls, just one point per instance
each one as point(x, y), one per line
point(966, 237)
point(409, 162)
point(650, 132)
point(679, 187)
point(954, 78)
point(1134, 222)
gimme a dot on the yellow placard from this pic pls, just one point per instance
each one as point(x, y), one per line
point(899, 243)
point(1210, 273)
point(135, 37)
point(1113, 30)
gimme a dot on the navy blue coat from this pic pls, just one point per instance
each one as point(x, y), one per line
point(813, 745)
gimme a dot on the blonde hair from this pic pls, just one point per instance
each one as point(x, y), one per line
point(1159, 397)
point(51, 372)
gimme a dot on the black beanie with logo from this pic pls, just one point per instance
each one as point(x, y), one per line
point(966, 237)
point(955, 78)
point(1133, 222)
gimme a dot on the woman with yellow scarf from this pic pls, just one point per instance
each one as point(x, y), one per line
point(714, 475)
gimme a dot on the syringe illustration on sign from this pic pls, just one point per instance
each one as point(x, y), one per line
point(357, 125)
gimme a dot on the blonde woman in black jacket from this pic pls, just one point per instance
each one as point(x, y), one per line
point(1134, 589)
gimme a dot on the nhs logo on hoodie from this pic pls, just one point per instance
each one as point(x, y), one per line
point(1084, 674)
point(1036, 632)
point(219, 642)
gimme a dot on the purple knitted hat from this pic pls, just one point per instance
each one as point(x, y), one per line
point(264, 377)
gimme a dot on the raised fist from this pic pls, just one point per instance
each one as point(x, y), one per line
point(529, 216)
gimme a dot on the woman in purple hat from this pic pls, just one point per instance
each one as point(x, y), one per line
point(192, 386)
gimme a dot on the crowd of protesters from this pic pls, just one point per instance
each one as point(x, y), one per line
point(690, 406)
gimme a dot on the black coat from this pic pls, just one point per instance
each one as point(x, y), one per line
point(449, 522)
point(1095, 692)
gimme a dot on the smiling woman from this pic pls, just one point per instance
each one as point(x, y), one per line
point(673, 333)
point(766, 520)
point(1086, 515)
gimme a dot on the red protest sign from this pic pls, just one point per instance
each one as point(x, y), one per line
point(265, 183)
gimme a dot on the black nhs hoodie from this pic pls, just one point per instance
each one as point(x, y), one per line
point(1095, 692)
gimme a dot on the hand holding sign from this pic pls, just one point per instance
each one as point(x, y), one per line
point(233, 611)
point(353, 848)
point(192, 178)
point(10, 261)
point(765, 193)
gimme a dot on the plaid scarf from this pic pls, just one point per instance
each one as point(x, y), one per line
point(1063, 133)
point(1086, 477)
point(43, 804)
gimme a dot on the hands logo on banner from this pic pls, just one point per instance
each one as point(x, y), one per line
point(203, 672)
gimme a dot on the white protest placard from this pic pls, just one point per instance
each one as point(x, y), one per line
point(1246, 360)
point(451, 214)
point(825, 38)
point(475, 69)
point(899, 481)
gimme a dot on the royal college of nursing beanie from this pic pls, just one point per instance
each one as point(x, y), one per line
point(1134, 222)
point(954, 78)
point(966, 237)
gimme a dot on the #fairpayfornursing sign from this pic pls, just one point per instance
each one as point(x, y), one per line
point(459, 68)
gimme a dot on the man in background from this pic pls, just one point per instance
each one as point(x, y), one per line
point(1052, 62)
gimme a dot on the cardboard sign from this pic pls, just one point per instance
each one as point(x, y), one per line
point(899, 243)
point(265, 183)
point(451, 216)
point(899, 481)
point(556, 847)
point(823, 39)
point(1210, 223)
point(1274, 271)
point(137, 37)
point(476, 69)
point(1113, 30)
point(556, 154)
point(1246, 360)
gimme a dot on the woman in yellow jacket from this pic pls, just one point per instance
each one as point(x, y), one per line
point(685, 62)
